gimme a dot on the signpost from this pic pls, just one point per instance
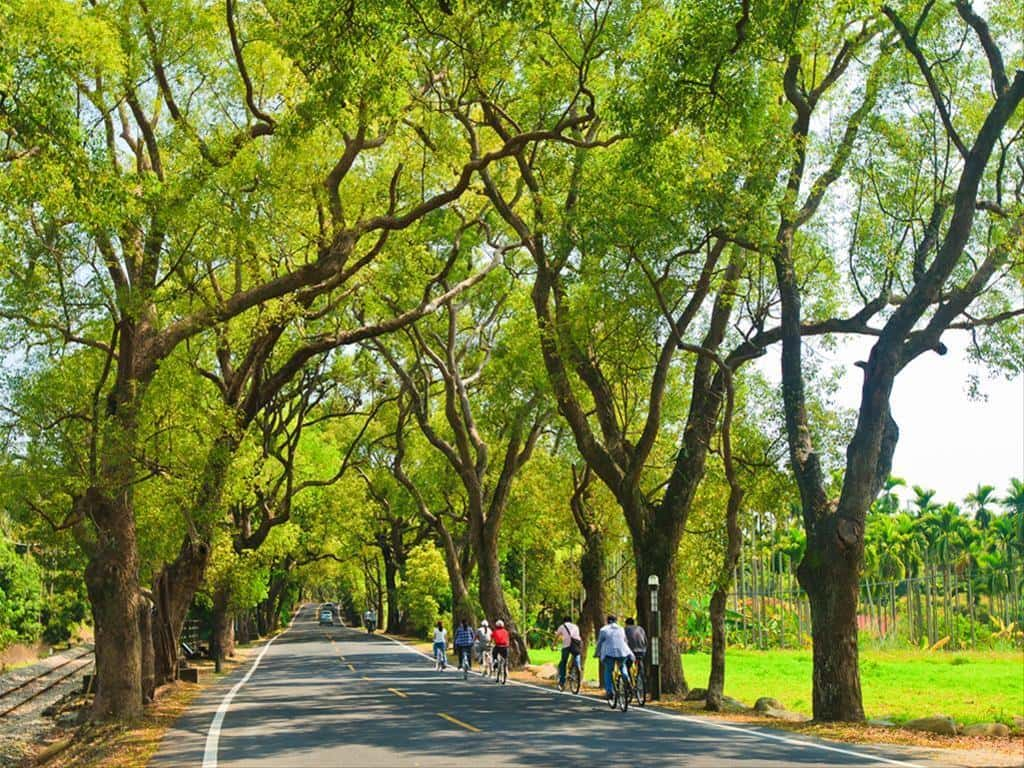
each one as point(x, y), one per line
point(655, 630)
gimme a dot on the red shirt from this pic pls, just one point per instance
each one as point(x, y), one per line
point(500, 637)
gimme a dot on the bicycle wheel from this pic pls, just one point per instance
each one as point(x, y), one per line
point(504, 670)
point(465, 665)
point(574, 678)
point(624, 693)
point(640, 686)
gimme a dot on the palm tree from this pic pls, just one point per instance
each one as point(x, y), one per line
point(946, 524)
point(924, 500)
point(888, 503)
point(979, 500)
point(1005, 531)
point(1014, 499)
point(912, 545)
point(882, 560)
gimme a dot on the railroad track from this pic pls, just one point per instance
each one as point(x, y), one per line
point(8, 705)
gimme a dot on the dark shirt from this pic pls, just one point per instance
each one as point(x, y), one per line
point(637, 638)
point(463, 636)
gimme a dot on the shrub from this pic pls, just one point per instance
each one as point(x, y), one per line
point(21, 596)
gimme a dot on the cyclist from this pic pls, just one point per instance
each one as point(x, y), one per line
point(482, 644)
point(441, 644)
point(636, 638)
point(500, 638)
point(370, 620)
point(612, 649)
point(464, 642)
point(572, 645)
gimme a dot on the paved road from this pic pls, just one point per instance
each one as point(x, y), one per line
point(331, 696)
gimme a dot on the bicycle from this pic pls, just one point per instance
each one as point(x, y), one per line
point(440, 658)
point(501, 670)
point(622, 686)
point(464, 662)
point(574, 675)
point(639, 680)
point(486, 661)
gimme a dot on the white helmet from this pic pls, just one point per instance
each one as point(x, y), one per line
point(484, 623)
point(499, 623)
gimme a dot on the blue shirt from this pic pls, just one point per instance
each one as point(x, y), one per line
point(463, 636)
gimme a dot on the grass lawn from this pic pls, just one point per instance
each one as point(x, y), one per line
point(970, 686)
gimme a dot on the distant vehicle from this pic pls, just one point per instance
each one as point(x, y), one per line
point(326, 616)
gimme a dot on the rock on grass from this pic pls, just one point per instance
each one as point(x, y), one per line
point(997, 730)
point(940, 724)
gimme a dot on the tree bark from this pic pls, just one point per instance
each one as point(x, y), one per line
point(223, 638)
point(112, 582)
point(146, 640)
point(492, 599)
point(174, 586)
point(656, 554)
point(734, 539)
point(832, 586)
point(592, 571)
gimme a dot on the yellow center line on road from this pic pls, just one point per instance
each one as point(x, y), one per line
point(368, 679)
point(398, 693)
point(451, 719)
point(351, 667)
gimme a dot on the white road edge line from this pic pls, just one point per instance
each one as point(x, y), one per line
point(702, 721)
point(213, 735)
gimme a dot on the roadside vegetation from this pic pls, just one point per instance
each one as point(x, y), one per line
point(453, 309)
point(971, 686)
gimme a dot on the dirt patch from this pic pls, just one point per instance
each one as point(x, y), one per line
point(20, 655)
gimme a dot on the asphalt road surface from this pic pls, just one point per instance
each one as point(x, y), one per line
point(333, 696)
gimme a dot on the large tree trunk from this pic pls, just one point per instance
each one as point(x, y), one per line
point(656, 554)
point(492, 600)
point(173, 589)
point(592, 574)
point(830, 578)
point(462, 605)
point(146, 640)
point(394, 564)
point(223, 638)
point(734, 539)
point(112, 582)
point(394, 615)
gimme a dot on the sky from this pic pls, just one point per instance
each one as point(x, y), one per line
point(948, 441)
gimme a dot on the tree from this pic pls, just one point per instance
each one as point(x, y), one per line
point(979, 500)
point(940, 284)
point(139, 199)
point(459, 358)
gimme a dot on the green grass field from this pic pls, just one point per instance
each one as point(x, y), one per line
point(973, 686)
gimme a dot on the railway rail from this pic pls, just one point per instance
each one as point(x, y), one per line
point(27, 687)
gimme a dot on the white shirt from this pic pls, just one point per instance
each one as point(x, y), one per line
point(568, 632)
point(483, 635)
point(611, 642)
point(440, 636)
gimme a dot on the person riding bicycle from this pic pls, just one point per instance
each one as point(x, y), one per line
point(501, 639)
point(612, 649)
point(464, 642)
point(482, 641)
point(370, 619)
point(572, 645)
point(636, 638)
point(441, 644)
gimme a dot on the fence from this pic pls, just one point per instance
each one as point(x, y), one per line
point(943, 608)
